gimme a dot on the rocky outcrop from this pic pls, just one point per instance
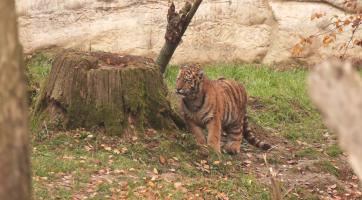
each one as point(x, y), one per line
point(222, 30)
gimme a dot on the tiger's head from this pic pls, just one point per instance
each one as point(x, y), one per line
point(189, 80)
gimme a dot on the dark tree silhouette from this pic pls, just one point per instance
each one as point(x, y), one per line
point(14, 160)
point(177, 23)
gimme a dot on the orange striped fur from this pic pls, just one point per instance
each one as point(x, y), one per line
point(216, 105)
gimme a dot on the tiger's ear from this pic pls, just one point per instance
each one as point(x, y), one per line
point(183, 67)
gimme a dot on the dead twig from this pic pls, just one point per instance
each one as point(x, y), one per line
point(276, 186)
point(177, 23)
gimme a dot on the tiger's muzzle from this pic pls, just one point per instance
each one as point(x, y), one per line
point(182, 92)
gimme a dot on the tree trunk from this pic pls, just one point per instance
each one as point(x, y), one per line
point(14, 161)
point(105, 90)
point(336, 89)
point(177, 24)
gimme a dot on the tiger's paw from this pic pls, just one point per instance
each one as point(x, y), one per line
point(232, 147)
point(203, 150)
point(201, 141)
point(207, 151)
point(215, 148)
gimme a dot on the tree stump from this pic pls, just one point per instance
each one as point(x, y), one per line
point(111, 91)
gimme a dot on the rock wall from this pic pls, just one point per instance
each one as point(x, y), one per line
point(222, 30)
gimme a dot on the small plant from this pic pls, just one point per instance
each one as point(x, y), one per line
point(328, 167)
point(337, 25)
point(334, 151)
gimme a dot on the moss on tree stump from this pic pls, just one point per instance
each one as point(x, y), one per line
point(106, 90)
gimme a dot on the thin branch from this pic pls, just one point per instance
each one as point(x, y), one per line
point(341, 7)
point(177, 23)
point(350, 40)
point(276, 185)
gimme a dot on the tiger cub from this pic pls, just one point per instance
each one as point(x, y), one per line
point(217, 105)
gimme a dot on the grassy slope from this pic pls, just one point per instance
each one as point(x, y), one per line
point(167, 165)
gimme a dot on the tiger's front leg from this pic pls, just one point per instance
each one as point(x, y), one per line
point(197, 132)
point(234, 136)
point(214, 134)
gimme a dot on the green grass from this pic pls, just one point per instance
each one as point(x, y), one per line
point(285, 111)
point(37, 69)
point(286, 108)
point(334, 150)
point(306, 195)
point(327, 167)
point(64, 155)
point(307, 153)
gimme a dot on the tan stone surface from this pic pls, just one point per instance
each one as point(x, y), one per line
point(222, 30)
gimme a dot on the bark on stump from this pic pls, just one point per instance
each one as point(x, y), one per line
point(107, 90)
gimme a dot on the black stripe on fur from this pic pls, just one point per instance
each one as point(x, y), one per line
point(248, 135)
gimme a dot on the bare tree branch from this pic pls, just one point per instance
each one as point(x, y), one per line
point(177, 23)
point(352, 8)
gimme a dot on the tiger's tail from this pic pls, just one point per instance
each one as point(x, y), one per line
point(249, 136)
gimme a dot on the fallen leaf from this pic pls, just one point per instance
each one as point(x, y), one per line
point(124, 149)
point(151, 184)
point(203, 161)
point(292, 162)
point(162, 160)
point(216, 162)
point(177, 185)
point(153, 178)
point(119, 171)
point(247, 161)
